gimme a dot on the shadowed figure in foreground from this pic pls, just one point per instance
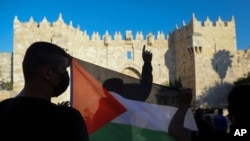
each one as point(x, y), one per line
point(31, 115)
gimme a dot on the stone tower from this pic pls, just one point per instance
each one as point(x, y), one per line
point(206, 55)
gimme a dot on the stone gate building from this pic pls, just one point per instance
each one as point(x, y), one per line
point(202, 55)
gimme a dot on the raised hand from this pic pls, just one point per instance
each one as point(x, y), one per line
point(146, 55)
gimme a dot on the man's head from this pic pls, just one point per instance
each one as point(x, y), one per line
point(48, 62)
point(199, 113)
point(238, 103)
point(114, 84)
point(220, 111)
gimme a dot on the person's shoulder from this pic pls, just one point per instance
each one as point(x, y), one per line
point(217, 117)
point(6, 101)
point(70, 115)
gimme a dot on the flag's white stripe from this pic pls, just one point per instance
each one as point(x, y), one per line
point(150, 116)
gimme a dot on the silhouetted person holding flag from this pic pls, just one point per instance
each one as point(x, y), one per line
point(31, 115)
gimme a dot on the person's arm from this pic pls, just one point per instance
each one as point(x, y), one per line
point(146, 76)
point(176, 126)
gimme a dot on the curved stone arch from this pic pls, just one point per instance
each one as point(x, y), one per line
point(131, 70)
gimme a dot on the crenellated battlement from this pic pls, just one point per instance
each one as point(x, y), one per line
point(218, 23)
point(96, 36)
point(194, 23)
point(208, 23)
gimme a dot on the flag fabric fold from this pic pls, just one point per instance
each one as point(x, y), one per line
point(110, 117)
point(91, 99)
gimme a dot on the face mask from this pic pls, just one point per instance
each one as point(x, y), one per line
point(63, 84)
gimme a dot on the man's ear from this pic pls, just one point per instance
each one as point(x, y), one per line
point(45, 72)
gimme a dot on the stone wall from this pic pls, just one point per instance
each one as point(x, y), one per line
point(119, 52)
point(202, 55)
point(5, 67)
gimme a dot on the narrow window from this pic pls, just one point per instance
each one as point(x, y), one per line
point(129, 55)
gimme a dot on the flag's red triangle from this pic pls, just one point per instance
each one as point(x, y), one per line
point(96, 105)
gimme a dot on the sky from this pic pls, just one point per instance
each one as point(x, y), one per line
point(121, 15)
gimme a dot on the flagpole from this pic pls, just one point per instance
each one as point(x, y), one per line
point(71, 82)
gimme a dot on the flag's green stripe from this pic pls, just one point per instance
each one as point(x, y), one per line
point(123, 132)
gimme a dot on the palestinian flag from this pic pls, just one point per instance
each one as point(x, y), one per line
point(110, 117)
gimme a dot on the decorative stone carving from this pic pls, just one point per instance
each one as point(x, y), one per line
point(150, 39)
point(106, 39)
point(128, 36)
